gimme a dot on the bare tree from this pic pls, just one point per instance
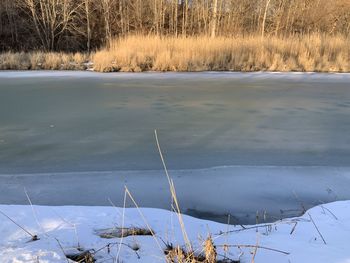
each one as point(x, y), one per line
point(87, 24)
point(214, 18)
point(88, 27)
point(52, 19)
point(106, 7)
point(264, 18)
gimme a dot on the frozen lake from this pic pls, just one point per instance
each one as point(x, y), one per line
point(266, 132)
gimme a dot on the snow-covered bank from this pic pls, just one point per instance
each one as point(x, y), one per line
point(63, 228)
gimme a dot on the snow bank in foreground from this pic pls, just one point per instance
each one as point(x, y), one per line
point(72, 225)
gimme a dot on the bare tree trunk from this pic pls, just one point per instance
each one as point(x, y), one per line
point(121, 14)
point(139, 16)
point(31, 6)
point(186, 16)
point(176, 17)
point(214, 18)
point(155, 17)
point(183, 17)
point(106, 10)
point(264, 19)
point(88, 28)
point(9, 10)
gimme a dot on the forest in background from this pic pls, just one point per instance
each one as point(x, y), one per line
point(87, 25)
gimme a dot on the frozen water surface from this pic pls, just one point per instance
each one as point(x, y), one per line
point(275, 133)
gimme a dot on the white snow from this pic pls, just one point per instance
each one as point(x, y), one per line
point(72, 225)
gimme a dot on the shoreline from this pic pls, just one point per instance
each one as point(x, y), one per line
point(274, 194)
point(70, 72)
point(180, 72)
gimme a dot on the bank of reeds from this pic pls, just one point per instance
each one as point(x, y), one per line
point(319, 53)
point(252, 53)
point(43, 61)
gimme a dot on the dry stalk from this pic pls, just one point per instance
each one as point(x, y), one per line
point(123, 215)
point(300, 202)
point(72, 225)
point(174, 196)
point(61, 247)
point(210, 251)
point(293, 229)
point(258, 246)
point(34, 237)
point(313, 222)
point(143, 218)
point(34, 212)
point(325, 208)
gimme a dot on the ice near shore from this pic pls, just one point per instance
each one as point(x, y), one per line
point(320, 235)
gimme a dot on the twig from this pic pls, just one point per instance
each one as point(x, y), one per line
point(121, 239)
point(323, 207)
point(289, 221)
point(143, 218)
point(256, 247)
point(313, 222)
point(295, 225)
point(116, 208)
point(64, 253)
point(116, 243)
point(34, 237)
point(300, 202)
point(228, 228)
point(253, 246)
point(71, 224)
point(246, 228)
point(34, 212)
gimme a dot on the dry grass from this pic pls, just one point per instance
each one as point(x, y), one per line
point(82, 257)
point(124, 232)
point(317, 53)
point(207, 255)
point(43, 61)
point(309, 53)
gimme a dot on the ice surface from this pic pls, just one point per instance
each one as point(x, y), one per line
point(83, 121)
point(208, 193)
point(277, 133)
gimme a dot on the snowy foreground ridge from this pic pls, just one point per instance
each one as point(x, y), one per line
point(322, 234)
